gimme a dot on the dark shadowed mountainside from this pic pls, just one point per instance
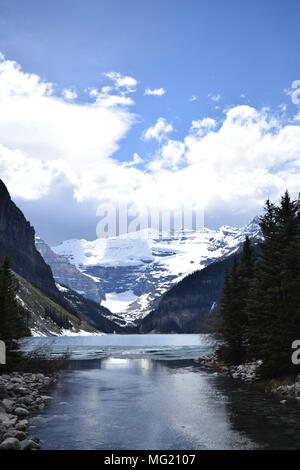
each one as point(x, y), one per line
point(188, 305)
point(42, 302)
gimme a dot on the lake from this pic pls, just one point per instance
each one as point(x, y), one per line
point(147, 392)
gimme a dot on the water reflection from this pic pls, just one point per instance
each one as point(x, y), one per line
point(262, 417)
point(148, 393)
point(137, 404)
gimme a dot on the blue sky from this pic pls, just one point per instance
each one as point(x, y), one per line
point(207, 56)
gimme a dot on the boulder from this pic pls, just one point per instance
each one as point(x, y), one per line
point(3, 392)
point(11, 443)
point(27, 400)
point(16, 380)
point(22, 390)
point(5, 417)
point(8, 404)
point(29, 444)
point(21, 412)
point(22, 425)
point(20, 435)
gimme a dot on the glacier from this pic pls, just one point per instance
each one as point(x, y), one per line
point(134, 270)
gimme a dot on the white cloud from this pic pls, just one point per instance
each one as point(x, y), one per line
point(159, 131)
point(69, 94)
point(155, 92)
point(40, 131)
point(136, 160)
point(170, 156)
point(121, 81)
point(250, 155)
point(116, 95)
point(193, 98)
point(30, 178)
point(106, 99)
point(202, 126)
point(215, 98)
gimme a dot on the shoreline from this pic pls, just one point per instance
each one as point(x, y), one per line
point(21, 395)
point(282, 387)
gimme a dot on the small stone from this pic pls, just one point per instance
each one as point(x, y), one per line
point(22, 390)
point(21, 412)
point(5, 417)
point(8, 404)
point(29, 444)
point(26, 444)
point(11, 443)
point(22, 425)
point(16, 380)
point(20, 435)
point(28, 400)
point(3, 392)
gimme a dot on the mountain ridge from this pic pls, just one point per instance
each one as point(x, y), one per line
point(38, 295)
point(136, 271)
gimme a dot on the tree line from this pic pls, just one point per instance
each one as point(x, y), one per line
point(260, 306)
point(13, 320)
point(58, 318)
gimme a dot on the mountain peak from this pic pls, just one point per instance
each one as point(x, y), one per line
point(3, 190)
point(139, 268)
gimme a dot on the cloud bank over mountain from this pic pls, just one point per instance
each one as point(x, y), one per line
point(49, 135)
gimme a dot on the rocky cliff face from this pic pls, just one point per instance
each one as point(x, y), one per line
point(17, 241)
point(67, 274)
point(48, 307)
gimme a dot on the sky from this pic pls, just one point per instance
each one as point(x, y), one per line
point(158, 103)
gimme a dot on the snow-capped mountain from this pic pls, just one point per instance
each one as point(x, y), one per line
point(68, 274)
point(136, 269)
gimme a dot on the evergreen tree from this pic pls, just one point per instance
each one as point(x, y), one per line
point(274, 300)
point(231, 312)
point(11, 325)
point(246, 275)
point(247, 264)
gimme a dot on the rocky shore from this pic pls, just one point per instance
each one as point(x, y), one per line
point(248, 373)
point(21, 394)
point(245, 372)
